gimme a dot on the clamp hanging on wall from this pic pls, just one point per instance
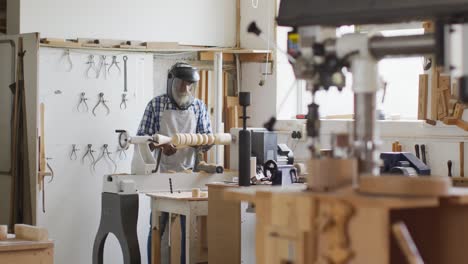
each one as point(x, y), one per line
point(68, 58)
point(123, 104)
point(105, 152)
point(82, 103)
point(73, 155)
point(114, 63)
point(89, 152)
point(102, 66)
point(103, 102)
point(91, 67)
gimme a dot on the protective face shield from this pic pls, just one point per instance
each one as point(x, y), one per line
point(181, 84)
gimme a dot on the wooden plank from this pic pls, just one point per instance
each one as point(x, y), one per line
point(155, 246)
point(176, 196)
point(243, 57)
point(422, 98)
point(176, 237)
point(42, 256)
point(462, 158)
point(209, 56)
point(15, 244)
point(462, 124)
point(161, 45)
point(443, 93)
point(238, 22)
point(224, 224)
point(32, 233)
point(434, 95)
point(255, 57)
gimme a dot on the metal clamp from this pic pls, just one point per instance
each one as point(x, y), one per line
point(92, 66)
point(89, 152)
point(103, 102)
point(82, 102)
point(73, 155)
point(102, 64)
point(105, 152)
point(67, 55)
point(116, 63)
point(123, 104)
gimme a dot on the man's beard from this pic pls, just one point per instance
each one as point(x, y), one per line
point(183, 100)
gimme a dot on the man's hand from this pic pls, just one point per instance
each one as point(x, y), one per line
point(168, 149)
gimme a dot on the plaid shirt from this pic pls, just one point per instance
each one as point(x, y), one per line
point(150, 123)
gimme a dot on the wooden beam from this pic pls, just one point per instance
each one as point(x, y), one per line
point(422, 98)
point(434, 94)
point(243, 57)
point(238, 21)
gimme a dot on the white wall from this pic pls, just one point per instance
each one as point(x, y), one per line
point(264, 97)
point(263, 14)
point(201, 22)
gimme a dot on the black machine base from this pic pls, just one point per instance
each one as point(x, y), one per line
point(119, 216)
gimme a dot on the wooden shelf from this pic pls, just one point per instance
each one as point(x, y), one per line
point(73, 45)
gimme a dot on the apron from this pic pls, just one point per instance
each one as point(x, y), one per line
point(172, 122)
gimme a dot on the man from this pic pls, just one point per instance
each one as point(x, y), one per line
point(177, 111)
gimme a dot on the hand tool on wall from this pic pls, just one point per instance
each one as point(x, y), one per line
point(125, 58)
point(449, 166)
point(423, 153)
point(105, 152)
point(114, 64)
point(103, 102)
point(102, 67)
point(67, 56)
point(416, 150)
point(123, 104)
point(406, 243)
point(82, 104)
point(73, 155)
point(89, 154)
point(91, 68)
point(462, 159)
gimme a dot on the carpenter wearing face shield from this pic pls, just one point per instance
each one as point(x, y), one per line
point(177, 111)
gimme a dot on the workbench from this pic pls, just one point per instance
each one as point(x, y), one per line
point(345, 226)
point(181, 203)
point(14, 251)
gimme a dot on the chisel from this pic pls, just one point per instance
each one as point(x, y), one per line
point(449, 165)
point(416, 149)
point(423, 153)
